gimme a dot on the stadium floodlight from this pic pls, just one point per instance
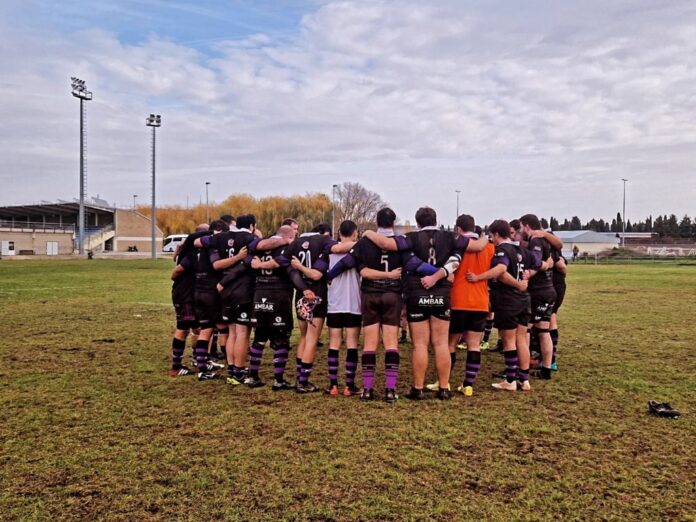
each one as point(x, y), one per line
point(333, 211)
point(457, 216)
point(79, 91)
point(207, 203)
point(623, 215)
point(153, 121)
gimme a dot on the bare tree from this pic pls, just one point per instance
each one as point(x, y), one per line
point(355, 202)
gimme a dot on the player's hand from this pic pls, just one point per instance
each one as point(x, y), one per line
point(255, 263)
point(428, 281)
point(309, 295)
point(471, 277)
point(450, 278)
point(522, 285)
point(394, 274)
point(241, 254)
point(296, 263)
point(526, 275)
point(220, 288)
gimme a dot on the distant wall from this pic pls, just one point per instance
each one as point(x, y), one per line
point(36, 241)
point(134, 229)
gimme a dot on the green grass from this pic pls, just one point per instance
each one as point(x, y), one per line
point(93, 428)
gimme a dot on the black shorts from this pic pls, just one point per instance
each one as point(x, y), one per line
point(560, 295)
point(423, 307)
point(343, 320)
point(511, 312)
point(542, 305)
point(467, 321)
point(185, 316)
point(237, 313)
point(320, 310)
point(207, 308)
point(272, 310)
point(381, 307)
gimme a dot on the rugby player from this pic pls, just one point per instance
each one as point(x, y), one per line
point(428, 300)
point(541, 291)
point(344, 314)
point(207, 303)
point(292, 224)
point(560, 269)
point(381, 301)
point(183, 299)
point(512, 304)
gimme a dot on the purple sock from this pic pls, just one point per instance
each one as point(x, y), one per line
point(280, 359)
point(473, 365)
point(351, 366)
point(201, 352)
point(391, 367)
point(255, 356)
point(177, 353)
point(305, 372)
point(332, 362)
point(510, 365)
point(369, 361)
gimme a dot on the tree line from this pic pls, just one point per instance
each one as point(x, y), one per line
point(662, 226)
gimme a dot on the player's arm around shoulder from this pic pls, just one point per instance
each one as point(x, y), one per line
point(383, 242)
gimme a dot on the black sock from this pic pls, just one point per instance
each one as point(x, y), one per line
point(453, 359)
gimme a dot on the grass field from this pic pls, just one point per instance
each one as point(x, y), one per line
point(93, 428)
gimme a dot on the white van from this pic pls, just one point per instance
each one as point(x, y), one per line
point(171, 242)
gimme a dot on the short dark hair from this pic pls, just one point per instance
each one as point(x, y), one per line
point(531, 221)
point(515, 223)
point(426, 217)
point(478, 230)
point(500, 227)
point(347, 228)
point(322, 228)
point(219, 226)
point(288, 221)
point(227, 218)
point(466, 223)
point(246, 220)
point(386, 218)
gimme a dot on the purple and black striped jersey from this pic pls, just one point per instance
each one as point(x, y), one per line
point(225, 245)
point(312, 249)
point(276, 279)
point(541, 251)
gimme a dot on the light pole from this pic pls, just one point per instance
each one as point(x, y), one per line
point(207, 207)
point(457, 216)
point(79, 90)
point(154, 121)
point(623, 215)
point(134, 198)
point(333, 210)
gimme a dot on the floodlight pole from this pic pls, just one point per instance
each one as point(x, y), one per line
point(154, 121)
point(134, 198)
point(623, 215)
point(333, 210)
point(207, 203)
point(79, 90)
point(457, 216)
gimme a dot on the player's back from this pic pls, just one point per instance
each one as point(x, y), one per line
point(344, 292)
point(540, 249)
point(472, 296)
point(273, 278)
point(434, 246)
point(371, 256)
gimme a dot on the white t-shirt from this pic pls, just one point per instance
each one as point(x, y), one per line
point(344, 292)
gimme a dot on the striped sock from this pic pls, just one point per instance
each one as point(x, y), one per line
point(554, 340)
point(333, 366)
point(523, 374)
point(510, 365)
point(178, 347)
point(201, 352)
point(391, 367)
point(351, 366)
point(305, 372)
point(255, 357)
point(369, 361)
point(280, 359)
point(473, 365)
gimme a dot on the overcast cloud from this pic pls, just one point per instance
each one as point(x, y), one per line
point(529, 106)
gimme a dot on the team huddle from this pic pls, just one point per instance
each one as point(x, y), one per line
point(451, 288)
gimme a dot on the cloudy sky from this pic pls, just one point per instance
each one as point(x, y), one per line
point(536, 106)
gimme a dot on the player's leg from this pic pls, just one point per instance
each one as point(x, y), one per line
point(178, 346)
point(553, 327)
point(261, 336)
point(281, 350)
point(522, 341)
point(439, 338)
point(369, 359)
point(308, 355)
point(508, 337)
point(352, 339)
point(390, 338)
point(300, 349)
point(332, 359)
point(420, 336)
point(487, 331)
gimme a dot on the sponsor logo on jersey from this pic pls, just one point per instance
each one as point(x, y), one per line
point(305, 245)
point(279, 320)
point(243, 315)
point(431, 300)
point(230, 242)
point(264, 306)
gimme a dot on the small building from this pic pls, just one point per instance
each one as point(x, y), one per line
point(588, 241)
point(51, 229)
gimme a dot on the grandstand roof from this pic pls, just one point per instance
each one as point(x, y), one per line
point(586, 236)
point(59, 208)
